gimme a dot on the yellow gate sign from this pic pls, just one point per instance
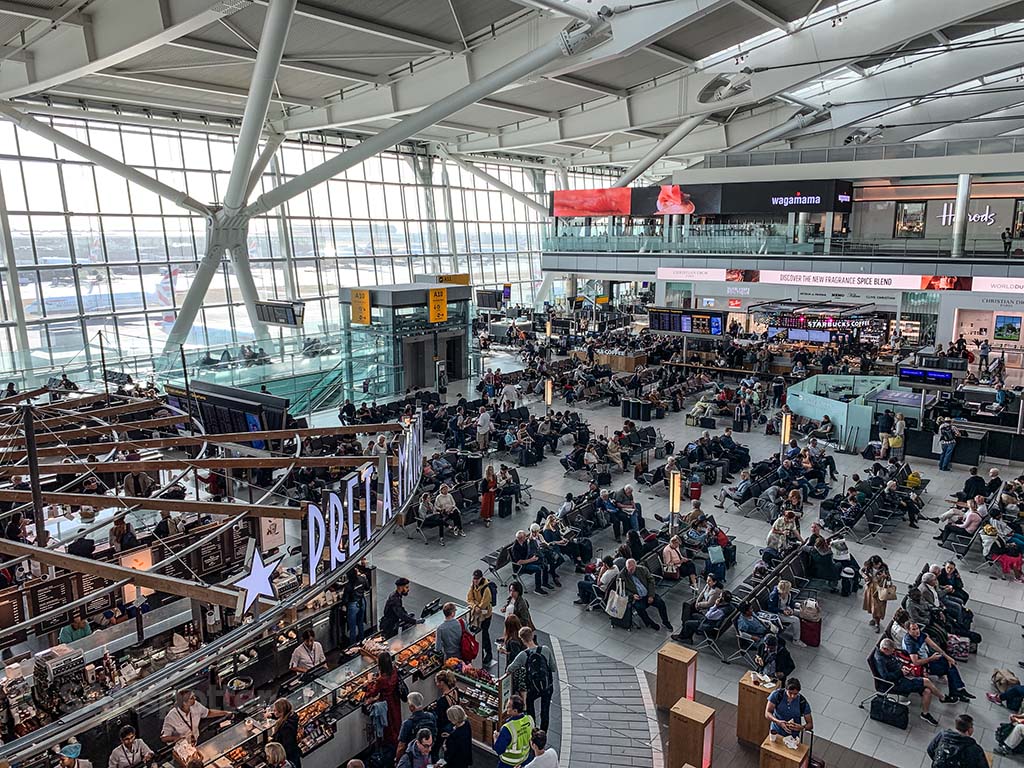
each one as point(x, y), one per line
point(360, 306)
point(438, 305)
point(459, 278)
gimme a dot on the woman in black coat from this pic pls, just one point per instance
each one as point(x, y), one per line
point(286, 731)
point(458, 746)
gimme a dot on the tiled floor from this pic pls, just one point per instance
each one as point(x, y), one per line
point(834, 676)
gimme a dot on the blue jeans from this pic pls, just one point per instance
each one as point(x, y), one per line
point(540, 575)
point(941, 668)
point(356, 612)
point(1012, 697)
point(947, 456)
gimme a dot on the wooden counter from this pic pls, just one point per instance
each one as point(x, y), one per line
point(677, 674)
point(691, 734)
point(751, 724)
point(778, 755)
point(618, 363)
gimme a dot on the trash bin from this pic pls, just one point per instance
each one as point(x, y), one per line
point(474, 466)
point(645, 410)
point(634, 410)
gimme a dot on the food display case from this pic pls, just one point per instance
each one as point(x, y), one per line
point(334, 727)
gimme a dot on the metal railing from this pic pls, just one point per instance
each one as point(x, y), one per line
point(901, 151)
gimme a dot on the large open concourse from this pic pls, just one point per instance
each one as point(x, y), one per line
point(511, 384)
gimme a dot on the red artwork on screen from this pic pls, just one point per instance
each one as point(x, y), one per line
point(593, 202)
point(672, 200)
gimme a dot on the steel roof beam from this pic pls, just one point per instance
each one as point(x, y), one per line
point(42, 14)
point(295, 64)
point(337, 18)
point(204, 87)
point(763, 13)
point(877, 27)
point(112, 33)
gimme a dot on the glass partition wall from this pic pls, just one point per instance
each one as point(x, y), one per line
point(97, 254)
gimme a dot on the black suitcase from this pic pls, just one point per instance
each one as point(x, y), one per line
point(603, 478)
point(737, 425)
point(505, 505)
point(626, 622)
point(706, 422)
point(890, 712)
point(586, 549)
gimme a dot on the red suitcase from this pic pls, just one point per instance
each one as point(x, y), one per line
point(695, 490)
point(810, 633)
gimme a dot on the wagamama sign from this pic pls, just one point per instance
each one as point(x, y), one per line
point(337, 529)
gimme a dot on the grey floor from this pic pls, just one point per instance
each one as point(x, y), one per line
point(834, 676)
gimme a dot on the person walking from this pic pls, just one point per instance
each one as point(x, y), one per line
point(481, 608)
point(1007, 237)
point(948, 435)
point(956, 748)
point(877, 585)
point(488, 491)
point(539, 664)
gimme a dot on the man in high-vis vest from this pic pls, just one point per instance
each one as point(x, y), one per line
point(512, 742)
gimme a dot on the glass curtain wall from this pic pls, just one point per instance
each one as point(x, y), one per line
point(95, 253)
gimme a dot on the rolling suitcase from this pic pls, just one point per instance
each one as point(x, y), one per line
point(695, 488)
point(810, 632)
point(737, 425)
point(707, 422)
point(505, 505)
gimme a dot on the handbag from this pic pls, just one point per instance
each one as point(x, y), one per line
point(617, 604)
point(895, 441)
point(887, 592)
point(890, 712)
point(715, 554)
point(468, 645)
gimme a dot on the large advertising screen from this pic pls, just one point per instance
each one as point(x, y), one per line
point(825, 279)
point(666, 200)
point(811, 196)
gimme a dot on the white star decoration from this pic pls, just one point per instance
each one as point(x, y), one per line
point(258, 581)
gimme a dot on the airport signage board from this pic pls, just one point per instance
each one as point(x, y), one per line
point(350, 517)
point(843, 279)
point(437, 303)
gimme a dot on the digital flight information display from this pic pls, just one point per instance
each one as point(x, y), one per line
point(666, 320)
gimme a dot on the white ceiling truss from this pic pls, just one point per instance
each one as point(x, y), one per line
point(849, 71)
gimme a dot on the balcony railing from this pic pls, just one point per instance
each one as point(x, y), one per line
point(753, 239)
point(901, 151)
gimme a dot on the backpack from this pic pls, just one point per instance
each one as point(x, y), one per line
point(948, 755)
point(538, 672)
point(494, 592)
point(1003, 679)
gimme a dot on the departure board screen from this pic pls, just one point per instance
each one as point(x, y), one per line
point(667, 320)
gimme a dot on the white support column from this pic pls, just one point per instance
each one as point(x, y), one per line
point(271, 146)
point(284, 241)
point(677, 134)
point(803, 221)
point(49, 133)
point(193, 300)
point(563, 177)
point(830, 223)
point(276, 23)
point(239, 253)
point(963, 201)
point(498, 184)
point(565, 44)
point(449, 221)
point(17, 309)
point(422, 168)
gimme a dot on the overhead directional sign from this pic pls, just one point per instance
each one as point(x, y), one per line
point(438, 305)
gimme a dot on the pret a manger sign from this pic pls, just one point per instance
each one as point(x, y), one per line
point(347, 519)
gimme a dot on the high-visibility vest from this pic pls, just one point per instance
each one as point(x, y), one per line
point(520, 729)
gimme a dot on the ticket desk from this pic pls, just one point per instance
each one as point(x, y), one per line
point(751, 724)
point(677, 674)
point(691, 734)
point(778, 755)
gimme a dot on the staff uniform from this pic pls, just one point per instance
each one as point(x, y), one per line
point(181, 724)
point(307, 657)
point(129, 757)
